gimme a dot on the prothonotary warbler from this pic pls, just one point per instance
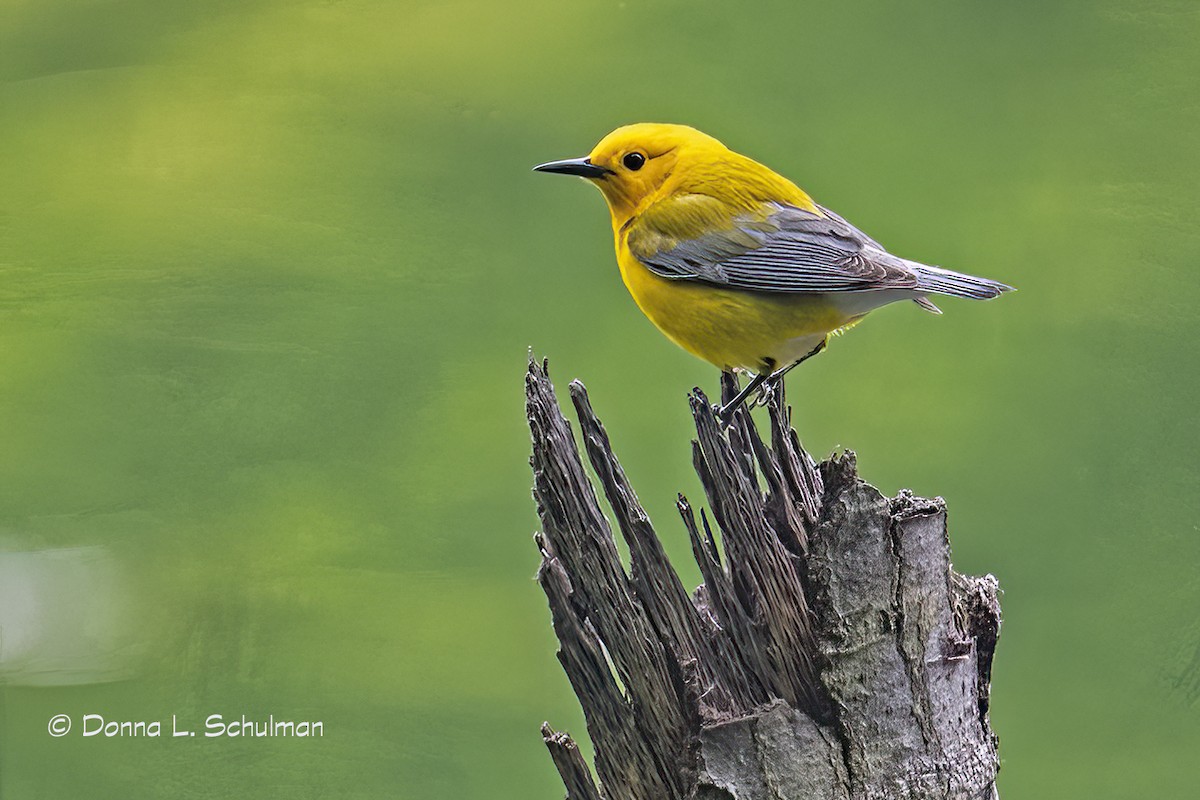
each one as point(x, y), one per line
point(735, 263)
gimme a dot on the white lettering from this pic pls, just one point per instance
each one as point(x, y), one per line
point(214, 725)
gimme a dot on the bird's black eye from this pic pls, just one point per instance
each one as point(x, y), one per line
point(633, 161)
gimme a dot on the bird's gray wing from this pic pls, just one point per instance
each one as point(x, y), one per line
point(783, 249)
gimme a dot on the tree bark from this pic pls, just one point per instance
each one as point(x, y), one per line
point(831, 651)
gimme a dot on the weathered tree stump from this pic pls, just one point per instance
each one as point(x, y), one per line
point(831, 651)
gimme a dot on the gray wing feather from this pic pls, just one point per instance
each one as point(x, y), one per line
point(792, 251)
point(842, 220)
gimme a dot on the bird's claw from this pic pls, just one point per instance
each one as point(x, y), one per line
point(765, 395)
point(724, 414)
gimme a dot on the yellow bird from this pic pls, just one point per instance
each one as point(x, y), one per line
point(735, 263)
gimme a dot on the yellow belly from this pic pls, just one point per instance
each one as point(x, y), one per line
point(755, 331)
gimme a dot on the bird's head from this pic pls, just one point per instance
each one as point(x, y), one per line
point(636, 164)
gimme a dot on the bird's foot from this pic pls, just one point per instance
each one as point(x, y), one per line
point(724, 413)
point(766, 394)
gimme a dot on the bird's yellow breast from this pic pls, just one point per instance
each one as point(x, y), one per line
point(754, 331)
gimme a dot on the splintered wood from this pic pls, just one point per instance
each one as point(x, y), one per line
point(831, 651)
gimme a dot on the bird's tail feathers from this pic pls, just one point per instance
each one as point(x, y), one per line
point(955, 284)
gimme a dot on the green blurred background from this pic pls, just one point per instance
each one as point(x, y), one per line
point(269, 271)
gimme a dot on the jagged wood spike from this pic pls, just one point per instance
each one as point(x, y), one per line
point(625, 761)
point(579, 538)
point(655, 582)
point(571, 767)
point(762, 569)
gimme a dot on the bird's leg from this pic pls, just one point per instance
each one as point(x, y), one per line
point(725, 413)
point(775, 379)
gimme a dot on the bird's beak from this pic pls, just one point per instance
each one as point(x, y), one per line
point(582, 167)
